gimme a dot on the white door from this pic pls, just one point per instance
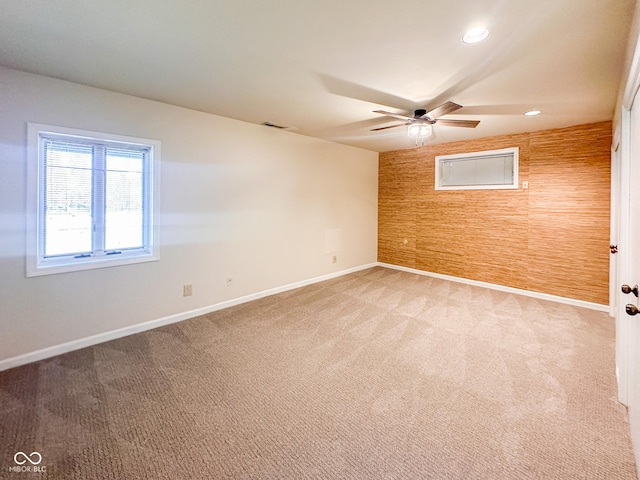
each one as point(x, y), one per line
point(629, 264)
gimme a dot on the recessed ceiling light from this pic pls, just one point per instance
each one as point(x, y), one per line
point(475, 35)
point(532, 113)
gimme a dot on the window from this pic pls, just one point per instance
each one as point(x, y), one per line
point(492, 169)
point(92, 199)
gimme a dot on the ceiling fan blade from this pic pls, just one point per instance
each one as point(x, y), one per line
point(459, 123)
point(443, 110)
point(390, 126)
point(394, 115)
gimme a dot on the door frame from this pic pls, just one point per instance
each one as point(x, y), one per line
point(619, 269)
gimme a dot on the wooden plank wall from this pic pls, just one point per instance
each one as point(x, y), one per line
point(552, 238)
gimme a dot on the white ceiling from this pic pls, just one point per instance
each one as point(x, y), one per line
point(322, 67)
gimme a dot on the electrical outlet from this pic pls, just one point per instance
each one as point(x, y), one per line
point(335, 259)
point(525, 185)
point(187, 290)
point(229, 281)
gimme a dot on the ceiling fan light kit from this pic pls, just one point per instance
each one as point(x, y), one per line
point(419, 131)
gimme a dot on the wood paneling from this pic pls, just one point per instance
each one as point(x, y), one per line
point(552, 238)
point(569, 211)
point(397, 210)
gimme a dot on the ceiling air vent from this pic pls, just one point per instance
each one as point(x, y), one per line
point(269, 124)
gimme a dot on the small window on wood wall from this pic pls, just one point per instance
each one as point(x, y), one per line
point(491, 169)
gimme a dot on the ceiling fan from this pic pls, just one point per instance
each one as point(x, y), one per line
point(421, 117)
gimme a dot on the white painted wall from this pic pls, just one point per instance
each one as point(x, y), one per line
point(236, 199)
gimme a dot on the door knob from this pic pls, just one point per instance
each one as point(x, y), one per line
point(627, 289)
point(631, 309)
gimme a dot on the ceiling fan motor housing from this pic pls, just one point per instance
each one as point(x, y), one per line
point(420, 116)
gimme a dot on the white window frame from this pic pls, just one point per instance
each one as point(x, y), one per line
point(37, 263)
point(440, 159)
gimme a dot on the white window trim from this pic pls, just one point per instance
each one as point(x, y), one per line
point(36, 264)
point(512, 186)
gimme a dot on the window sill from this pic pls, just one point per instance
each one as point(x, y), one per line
point(35, 269)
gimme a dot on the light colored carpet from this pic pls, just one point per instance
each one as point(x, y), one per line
point(378, 374)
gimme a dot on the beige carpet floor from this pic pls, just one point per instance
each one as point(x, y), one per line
point(379, 374)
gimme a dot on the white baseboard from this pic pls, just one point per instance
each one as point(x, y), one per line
point(493, 286)
point(141, 327)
